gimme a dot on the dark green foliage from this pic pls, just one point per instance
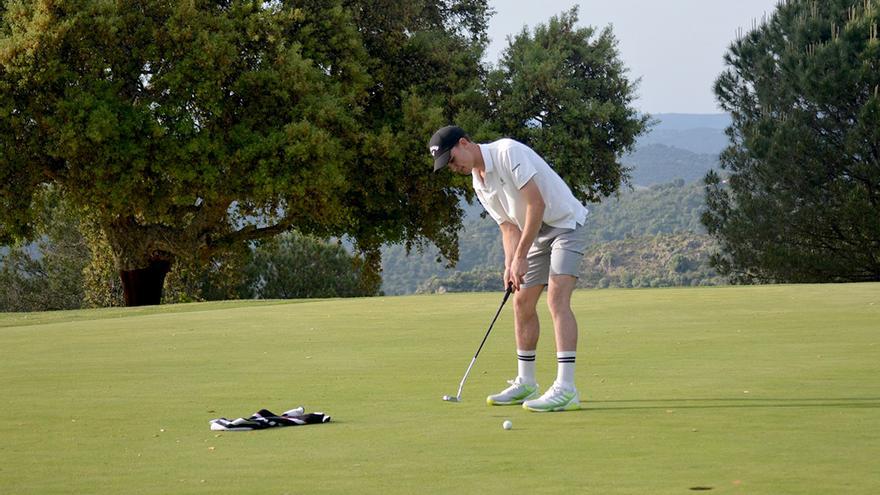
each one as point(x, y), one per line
point(46, 274)
point(423, 59)
point(477, 280)
point(50, 274)
point(169, 123)
point(563, 90)
point(293, 265)
point(102, 285)
point(184, 130)
point(800, 199)
point(217, 280)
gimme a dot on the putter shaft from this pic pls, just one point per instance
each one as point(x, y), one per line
point(474, 360)
point(466, 373)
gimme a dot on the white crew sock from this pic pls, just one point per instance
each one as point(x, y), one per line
point(565, 368)
point(525, 361)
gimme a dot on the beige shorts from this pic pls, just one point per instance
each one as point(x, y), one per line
point(556, 251)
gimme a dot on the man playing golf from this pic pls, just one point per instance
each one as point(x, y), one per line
point(543, 233)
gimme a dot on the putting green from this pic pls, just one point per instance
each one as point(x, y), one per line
point(752, 390)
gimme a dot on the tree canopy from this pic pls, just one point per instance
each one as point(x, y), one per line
point(187, 128)
point(294, 266)
point(563, 90)
point(48, 274)
point(184, 130)
point(800, 201)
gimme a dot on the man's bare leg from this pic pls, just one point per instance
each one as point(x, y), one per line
point(559, 302)
point(527, 330)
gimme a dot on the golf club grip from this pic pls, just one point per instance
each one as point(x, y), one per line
point(507, 293)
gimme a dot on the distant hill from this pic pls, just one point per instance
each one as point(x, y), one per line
point(701, 140)
point(663, 260)
point(697, 133)
point(688, 121)
point(661, 209)
point(678, 146)
point(658, 163)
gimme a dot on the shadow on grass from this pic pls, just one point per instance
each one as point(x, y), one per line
point(724, 403)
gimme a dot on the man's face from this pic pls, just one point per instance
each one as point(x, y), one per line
point(460, 160)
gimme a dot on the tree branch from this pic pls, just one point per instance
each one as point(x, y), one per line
point(251, 232)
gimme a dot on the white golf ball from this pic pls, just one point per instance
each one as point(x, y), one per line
point(507, 425)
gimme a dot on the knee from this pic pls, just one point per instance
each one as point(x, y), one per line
point(559, 305)
point(524, 309)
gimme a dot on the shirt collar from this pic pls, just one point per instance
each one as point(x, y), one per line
point(487, 158)
point(488, 163)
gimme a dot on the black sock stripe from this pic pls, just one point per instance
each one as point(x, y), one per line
point(565, 360)
point(525, 358)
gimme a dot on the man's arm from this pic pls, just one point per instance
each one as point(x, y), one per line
point(510, 235)
point(534, 217)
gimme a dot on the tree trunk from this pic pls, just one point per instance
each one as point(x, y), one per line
point(143, 286)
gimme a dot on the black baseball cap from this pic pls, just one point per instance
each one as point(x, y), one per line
point(442, 142)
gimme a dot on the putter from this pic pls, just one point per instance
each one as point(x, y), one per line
point(457, 398)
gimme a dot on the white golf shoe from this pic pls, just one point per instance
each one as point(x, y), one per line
point(556, 398)
point(516, 393)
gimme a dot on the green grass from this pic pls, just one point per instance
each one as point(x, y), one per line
point(752, 390)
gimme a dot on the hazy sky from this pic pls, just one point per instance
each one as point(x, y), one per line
point(675, 46)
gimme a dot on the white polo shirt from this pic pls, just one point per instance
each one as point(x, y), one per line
point(509, 166)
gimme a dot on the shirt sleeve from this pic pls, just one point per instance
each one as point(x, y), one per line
point(521, 167)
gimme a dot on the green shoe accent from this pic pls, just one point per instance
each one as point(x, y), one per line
point(555, 399)
point(515, 394)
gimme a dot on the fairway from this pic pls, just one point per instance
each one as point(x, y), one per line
point(751, 390)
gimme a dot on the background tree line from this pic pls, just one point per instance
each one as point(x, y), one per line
point(179, 134)
point(62, 270)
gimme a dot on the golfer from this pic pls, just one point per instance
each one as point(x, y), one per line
point(542, 229)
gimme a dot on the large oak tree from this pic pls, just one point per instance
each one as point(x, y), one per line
point(184, 129)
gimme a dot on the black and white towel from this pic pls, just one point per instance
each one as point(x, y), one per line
point(265, 418)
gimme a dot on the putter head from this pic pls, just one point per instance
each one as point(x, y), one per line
point(449, 398)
